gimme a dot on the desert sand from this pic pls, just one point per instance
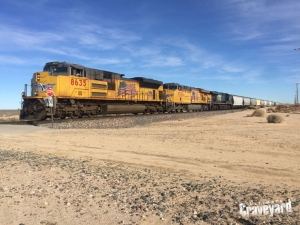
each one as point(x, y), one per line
point(232, 150)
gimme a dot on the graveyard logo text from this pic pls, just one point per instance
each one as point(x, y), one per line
point(277, 207)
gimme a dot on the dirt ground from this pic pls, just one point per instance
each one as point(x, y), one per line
point(233, 149)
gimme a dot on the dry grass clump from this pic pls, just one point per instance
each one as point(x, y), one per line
point(274, 118)
point(288, 108)
point(259, 113)
point(271, 110)
point(9, 119)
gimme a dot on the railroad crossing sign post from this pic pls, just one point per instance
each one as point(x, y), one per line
point(49, 93)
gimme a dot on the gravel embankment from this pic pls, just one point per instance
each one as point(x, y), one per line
point(130, 121)
point(57, 188)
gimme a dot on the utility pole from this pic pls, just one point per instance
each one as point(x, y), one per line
point(297, 100)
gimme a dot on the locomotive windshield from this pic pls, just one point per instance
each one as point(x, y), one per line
point(170, 86)
point(56, 70)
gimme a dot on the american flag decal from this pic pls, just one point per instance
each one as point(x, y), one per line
point(195, 95)
point(44, 86)
point(150, 94)
point(126, 89)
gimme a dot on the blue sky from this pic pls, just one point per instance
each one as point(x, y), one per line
point(240, 47)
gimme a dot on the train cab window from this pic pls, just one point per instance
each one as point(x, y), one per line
point(56, 70)
point(77, 72)
point(107, 76)
point(170, 86)
point(179, 88)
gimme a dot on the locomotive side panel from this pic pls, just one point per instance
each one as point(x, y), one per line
point(150, 95)
point(199, 96)
point(72, 87)
point(127, 90)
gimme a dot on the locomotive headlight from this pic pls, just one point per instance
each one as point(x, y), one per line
point(38, 77)
point(35, 93)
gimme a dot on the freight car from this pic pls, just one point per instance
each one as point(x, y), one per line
point(72, 90)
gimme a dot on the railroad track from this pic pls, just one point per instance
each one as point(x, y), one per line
point(49, 121)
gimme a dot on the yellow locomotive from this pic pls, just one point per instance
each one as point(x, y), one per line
point(184, 98)
point(73, 90)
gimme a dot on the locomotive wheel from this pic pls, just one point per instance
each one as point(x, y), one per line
point(92, 113)
point(75, 115)
point(40, 113)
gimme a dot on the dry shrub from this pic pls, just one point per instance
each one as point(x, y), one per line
point(251, 107)
point(9, 119)
point(270, 110)
point(274, 118)
point(259, 113)
point(262, 106)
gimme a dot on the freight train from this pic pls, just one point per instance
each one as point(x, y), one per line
point(71, 90)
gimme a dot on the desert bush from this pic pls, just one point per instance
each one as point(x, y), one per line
point(259, 113)
point(274, 118)
point(9, 119)
point(262, 106)
point(251, 107)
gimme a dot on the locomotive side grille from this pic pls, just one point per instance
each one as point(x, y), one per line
point(161, 95)
point(99, 86)
point(98, 94)
point(111, 86)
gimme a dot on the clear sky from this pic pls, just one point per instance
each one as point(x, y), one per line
point(240, 47)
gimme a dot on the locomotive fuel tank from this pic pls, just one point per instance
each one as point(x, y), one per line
point(195, 107)
point(123, 109)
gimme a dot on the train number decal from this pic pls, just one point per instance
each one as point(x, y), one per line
point(78, 82)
